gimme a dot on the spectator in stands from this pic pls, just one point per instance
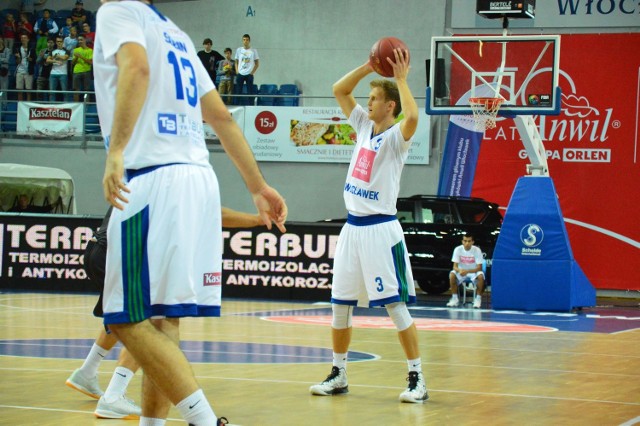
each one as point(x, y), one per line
point(71, 42)
point(24, 26)
point(226, 71)
point(5, 55)
point(247, 63)
point(42, 82)
point(25, 55)
point(46, 26)
point(89, 35)
point(23, 206)
point(9, 31)
point(79, 15)
point(58, 76)
point(82, 61)
point(210, 58)
point(66, 30)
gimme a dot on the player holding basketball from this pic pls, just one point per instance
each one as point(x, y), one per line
point(165, 236)
point(371, 262)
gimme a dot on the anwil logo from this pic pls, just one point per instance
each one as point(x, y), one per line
point(41, 113)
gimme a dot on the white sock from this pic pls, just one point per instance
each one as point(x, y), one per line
point(454, 296)
point(118, 384)
point(340, 360)
point(415, 364)
point(89, 368)
point(195, 409)
point(149, 421)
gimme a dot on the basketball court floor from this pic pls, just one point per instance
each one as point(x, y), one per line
point(258, 360)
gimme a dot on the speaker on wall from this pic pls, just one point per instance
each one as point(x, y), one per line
point(440, 88)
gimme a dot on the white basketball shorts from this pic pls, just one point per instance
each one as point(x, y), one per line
point(164, 250)
point(371, 264)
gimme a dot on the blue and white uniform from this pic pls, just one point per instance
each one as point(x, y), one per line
point(371, 265)
point(165, 247)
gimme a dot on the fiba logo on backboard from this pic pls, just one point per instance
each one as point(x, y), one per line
point(531, 236)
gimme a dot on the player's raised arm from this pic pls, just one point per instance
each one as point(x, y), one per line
point(343, 88)
point(409, 106)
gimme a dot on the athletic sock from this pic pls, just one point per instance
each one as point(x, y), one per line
point(195, 409)
point(415, 364)
point(340, 360)
point(149, 421)
point(89, 368)
point(118, 384)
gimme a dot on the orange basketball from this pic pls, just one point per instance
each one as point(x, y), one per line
point(383, 49)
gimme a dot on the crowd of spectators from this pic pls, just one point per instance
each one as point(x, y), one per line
point(46, 51)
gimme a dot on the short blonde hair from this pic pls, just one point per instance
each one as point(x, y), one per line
point(391, 93)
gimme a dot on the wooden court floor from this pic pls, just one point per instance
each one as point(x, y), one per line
point(474, 377)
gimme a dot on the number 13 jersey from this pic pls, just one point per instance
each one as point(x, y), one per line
point(169, 128)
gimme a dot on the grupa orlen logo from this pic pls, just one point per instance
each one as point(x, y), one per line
point(531, 236)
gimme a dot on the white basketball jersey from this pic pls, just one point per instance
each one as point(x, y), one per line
point(169, 129)
point(373, 181)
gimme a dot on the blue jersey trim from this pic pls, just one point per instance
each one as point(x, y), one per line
point(132, 173)
point(374, 219)
point(169, 311)
point(389, 300)
point(344, 302)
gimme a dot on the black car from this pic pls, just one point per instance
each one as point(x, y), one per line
point(433, 227)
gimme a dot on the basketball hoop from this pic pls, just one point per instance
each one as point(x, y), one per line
point(485, 111)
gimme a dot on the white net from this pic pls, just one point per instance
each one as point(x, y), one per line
point(485, 111)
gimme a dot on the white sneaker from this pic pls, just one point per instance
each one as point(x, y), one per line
point(88, 387)
point(334, 384)
point(477, 302)
point(453, 302)
point(122, 408)
point(416, 390)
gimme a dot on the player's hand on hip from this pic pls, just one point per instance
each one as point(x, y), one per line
point(271, 207)
point(113, 181)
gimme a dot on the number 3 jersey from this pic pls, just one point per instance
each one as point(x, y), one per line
point(373, 181)
point(169, 129)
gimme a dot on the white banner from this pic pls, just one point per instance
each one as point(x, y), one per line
point(50, 120)
point(238, 115)
point(313, 134)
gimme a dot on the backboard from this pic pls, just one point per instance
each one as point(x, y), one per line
point(523, 69)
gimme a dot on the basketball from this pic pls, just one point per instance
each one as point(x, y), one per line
point(383, 49)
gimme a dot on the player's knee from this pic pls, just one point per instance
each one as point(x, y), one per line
point(400, 315)
point(341, 316)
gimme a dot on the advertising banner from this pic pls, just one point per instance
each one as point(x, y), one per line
point(314, 135)
point(50, 120)
point(593, 153)
point(263, 264)
point(45, 252)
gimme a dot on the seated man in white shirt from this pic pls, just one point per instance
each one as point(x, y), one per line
point(467, 264)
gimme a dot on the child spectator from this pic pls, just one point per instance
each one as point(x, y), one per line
point(24, 26)
point(9, 31)
point(66, 30)
point(226, 72)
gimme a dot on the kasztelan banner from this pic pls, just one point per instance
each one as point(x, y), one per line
point(50, 120)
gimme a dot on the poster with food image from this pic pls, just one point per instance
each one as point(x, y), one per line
point(313, 134)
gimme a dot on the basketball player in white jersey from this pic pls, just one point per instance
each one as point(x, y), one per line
point(371, 265)
point(165, 242)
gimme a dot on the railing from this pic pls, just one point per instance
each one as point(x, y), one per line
point(91, 131)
